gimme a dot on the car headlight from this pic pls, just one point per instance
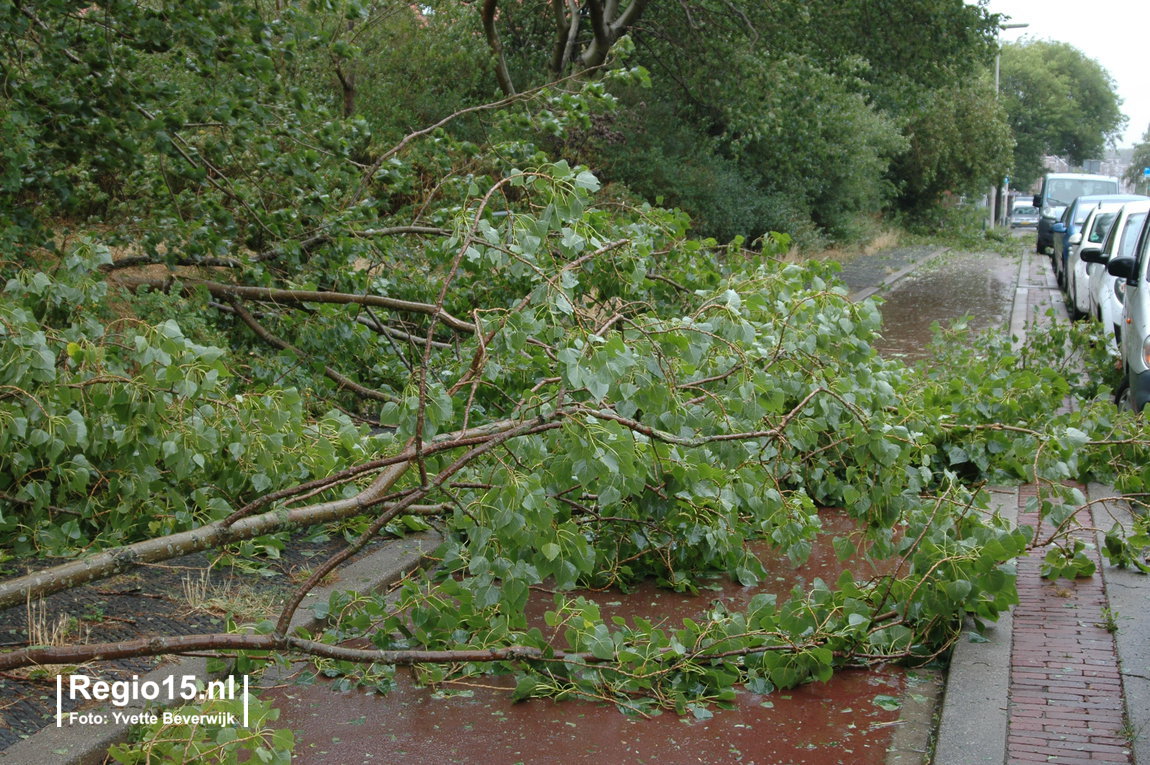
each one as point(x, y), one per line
point(1048, 212)
point(1146, 351)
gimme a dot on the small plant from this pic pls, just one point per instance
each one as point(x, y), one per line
point(1130, 732)
point(1109, 620)
point(46, 631)
point(196, 590)
point(1070, 562)
point(43, 630)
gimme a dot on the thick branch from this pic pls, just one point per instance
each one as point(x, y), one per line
point(599, 25)
point(226, 641)
point(502, 74)
point(148, 260)
point(609, 31)
point(157, 646)
point(241, 525)
point(566, 14)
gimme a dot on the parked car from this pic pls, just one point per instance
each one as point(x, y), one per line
point(1023, 214)
point(1057, 192)
point(1130, 269)
point(1106, 292)
point(1093, 231)
point(1072, 219)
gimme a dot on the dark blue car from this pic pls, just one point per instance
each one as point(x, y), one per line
point(1072, 219)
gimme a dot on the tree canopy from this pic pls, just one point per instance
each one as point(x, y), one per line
point(783, 116)
point(1059, 102)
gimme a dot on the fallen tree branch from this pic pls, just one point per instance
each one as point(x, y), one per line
point(340, 379)
point(134, 261)
point(243, 525)
point(277, 295)
point(226, 641)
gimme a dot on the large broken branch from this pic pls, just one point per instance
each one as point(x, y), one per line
point(240, 527)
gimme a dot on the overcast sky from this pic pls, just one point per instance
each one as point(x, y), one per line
point(1108, 31)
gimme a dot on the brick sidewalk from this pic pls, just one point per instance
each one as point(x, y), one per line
point(1065, 703)
point(1065, 699)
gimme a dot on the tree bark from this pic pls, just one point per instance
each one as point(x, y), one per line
point(502, 74)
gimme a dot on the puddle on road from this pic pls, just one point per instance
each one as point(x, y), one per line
point(819, 723)
point(953, 285)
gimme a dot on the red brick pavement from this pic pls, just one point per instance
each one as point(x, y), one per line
point(1066, 703)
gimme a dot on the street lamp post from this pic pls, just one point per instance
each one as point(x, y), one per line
point(995, 189)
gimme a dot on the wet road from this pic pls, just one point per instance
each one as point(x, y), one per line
point(850, 719)
point(946, 288)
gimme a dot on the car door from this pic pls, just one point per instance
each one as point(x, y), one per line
point(1136, 306)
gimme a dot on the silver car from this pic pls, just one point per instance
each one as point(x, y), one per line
point(1130, 271)
point(1023, 215)
point(1098, 222)
point(1105, 292)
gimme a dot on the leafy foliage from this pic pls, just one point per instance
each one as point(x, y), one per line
point(306, 322)
point(1046, 87)
point(201, 733)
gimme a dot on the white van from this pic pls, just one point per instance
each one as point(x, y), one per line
point(1058, 191)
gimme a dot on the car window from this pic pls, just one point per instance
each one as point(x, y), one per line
point(1130, 234)
point(1108, 245)
point(1062, 191)
point(1102, 224)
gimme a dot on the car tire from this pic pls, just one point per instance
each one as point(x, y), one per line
point(1122, 396)
point(1072, 300)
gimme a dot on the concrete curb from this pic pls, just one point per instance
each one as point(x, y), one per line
point(867, 292)
point(1127, 593)
point(972, 728)
point(88, 744)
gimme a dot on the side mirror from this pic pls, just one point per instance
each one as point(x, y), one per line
point(1123, 268)
point(1058, 228)
point(1090, 254)
point(1038, 201)
point(1076, 238)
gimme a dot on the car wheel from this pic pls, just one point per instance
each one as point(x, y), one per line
point(1072, 299)
point(1122, 398)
